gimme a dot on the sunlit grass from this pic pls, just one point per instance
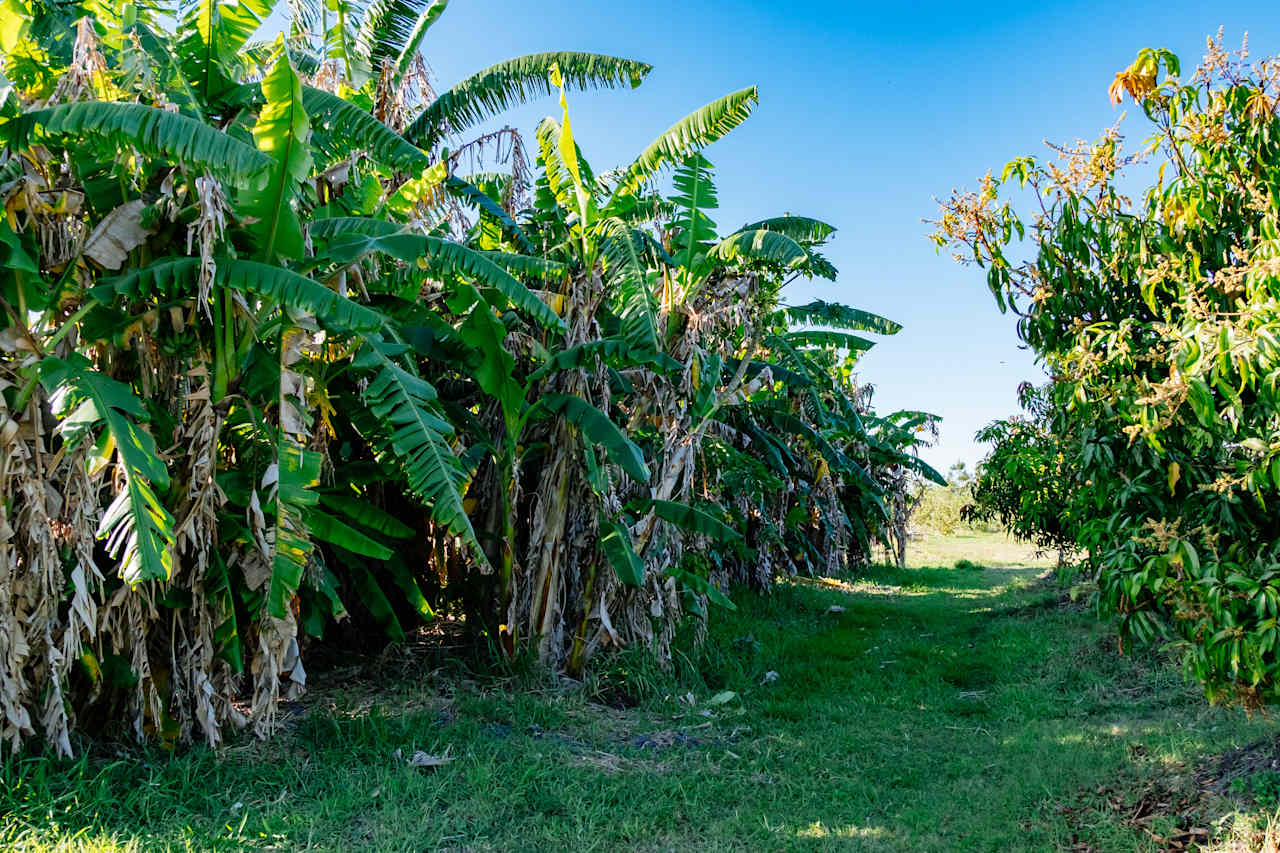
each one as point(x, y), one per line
point(905, 710)
point(985, 549)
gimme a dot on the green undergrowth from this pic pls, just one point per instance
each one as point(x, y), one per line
point(913, 709)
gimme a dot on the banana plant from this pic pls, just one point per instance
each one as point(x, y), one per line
point(674, 314)
point(198, 264)
point(271, 371)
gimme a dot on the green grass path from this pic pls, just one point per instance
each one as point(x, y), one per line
point(941, 709)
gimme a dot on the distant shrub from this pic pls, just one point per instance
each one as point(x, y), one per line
point(938, 508)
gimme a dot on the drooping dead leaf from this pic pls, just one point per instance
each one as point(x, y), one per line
point(118, 234)
point(606, 625)
point(339, 173)
point(12, 340)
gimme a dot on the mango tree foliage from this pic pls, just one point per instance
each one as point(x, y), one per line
point(1157, 318)
point(1027, 483)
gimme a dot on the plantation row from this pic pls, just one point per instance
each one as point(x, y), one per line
point(291, 352)
point(1155, 447)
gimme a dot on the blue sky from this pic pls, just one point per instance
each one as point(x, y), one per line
point(867, 111)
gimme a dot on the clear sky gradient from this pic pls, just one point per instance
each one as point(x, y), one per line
point(867, 111)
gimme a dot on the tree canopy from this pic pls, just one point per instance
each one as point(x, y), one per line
point(1156, 317)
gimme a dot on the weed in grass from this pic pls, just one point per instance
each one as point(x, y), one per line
point(1263, 787)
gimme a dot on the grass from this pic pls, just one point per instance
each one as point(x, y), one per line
point(939, 709)
point(984, 549)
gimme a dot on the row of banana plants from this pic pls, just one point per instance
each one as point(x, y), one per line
point(295, 350)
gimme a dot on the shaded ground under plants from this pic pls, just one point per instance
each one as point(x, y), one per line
point(1228, 803)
